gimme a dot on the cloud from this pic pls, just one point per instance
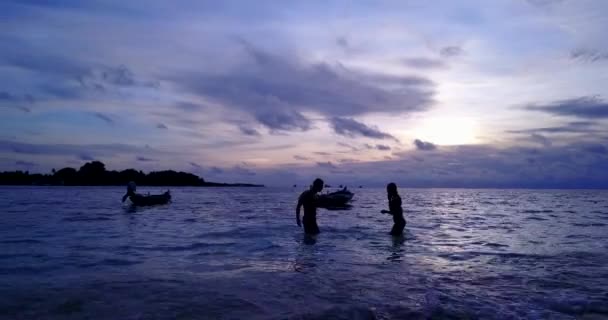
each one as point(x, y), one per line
point(346, 145)
point(424, 146)
point(144, 159)
point(196, 165)
point(104, 117)
point(380, 147)
point(595, 148)
point(301, 158)
point(570, 127)
point(538, 138)
point(566, 166)
point(282, 120)
point(343, 43)
point(277, 90)
point(588, 55)
point(587, 107)
point(16, 102)
point(544, 3)
point(83, 152)
point(424, 63)
point(85, 157)
point(22, 163)
point(119, 76)
point(161, 126)
point(189, 106)
point(242, 171)
point(248, 131)
point(216, 170)
point(322, 153)
point(25, 57)
point(326, 165)
point(451, 51)
point(383, 147)
point(8, 97)
point(352, 128)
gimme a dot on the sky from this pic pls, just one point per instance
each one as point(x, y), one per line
point(441, 93)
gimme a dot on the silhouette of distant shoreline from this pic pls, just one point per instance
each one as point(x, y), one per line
point(95, 174)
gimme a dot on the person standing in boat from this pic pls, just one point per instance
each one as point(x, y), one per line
point(394, 205)
point(308, 200)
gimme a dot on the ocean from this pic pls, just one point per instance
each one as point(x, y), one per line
point(237, 253)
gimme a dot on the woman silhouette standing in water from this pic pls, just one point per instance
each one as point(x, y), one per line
point(394, 206)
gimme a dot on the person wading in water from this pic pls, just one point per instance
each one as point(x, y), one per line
point(308, 200)
point(394, 206)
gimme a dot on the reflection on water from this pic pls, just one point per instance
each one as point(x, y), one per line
point(237, 253)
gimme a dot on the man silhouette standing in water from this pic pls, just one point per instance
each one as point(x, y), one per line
point(308, 200)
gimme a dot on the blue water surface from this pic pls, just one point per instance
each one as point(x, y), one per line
point(236, 253)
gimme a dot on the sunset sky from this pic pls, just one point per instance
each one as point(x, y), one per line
point(424, 93)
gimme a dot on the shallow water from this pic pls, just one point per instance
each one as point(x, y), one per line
point(73, 253)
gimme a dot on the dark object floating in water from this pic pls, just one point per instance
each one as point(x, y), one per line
point(338, 199)
point(150, 200)
point(145, 200)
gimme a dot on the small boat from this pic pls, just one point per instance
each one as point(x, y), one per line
point(141, 200)
point(150, 200)
point(339, 198)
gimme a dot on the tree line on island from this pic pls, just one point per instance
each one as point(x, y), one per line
point(95, 174)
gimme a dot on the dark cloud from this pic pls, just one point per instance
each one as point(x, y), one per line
point(576, 165)
point(119, 76)
point(342, 42)
point(242, 171)
point(25, 163)
point(16, 101)
point(248, 131)
point(424, 63)
point(196, 165)
point(5, 96)
point(424, 146)
point(8, 97)
point(595, 148)
point(189, 106)
point(277, 90)
point(326, 165)
point(283, 120)
point(380, 147)
point(104, 117)
point(588, 55)
point(144, 159)
point(301, 158)
point(352, 128)
point(451, 51)
point(322, 153)
point(539, 138)
point(85, 157)
point(346, 145)
point(216, 170)
point(161, 126)
point(22, 56)
point(570, 127)
point(84, 152)
point(544, 3)
point(588, 107)
point(383, 147)
point(101, 78)
point(24, 109)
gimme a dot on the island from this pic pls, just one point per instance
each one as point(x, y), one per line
point(95, 174)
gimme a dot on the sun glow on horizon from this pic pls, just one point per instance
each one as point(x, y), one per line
point(448, 131)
